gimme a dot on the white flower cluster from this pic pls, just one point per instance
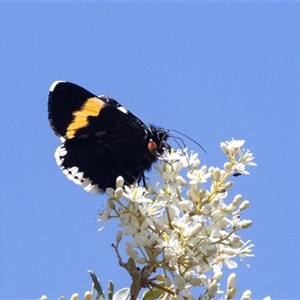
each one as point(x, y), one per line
point(185, 229)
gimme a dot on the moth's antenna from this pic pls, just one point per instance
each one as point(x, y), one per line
point(181, 140)
point(189, 139)
point(163, 159)
point(175, 139)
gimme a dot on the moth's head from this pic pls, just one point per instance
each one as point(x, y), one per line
point(158, 140)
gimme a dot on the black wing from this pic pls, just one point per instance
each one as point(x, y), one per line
point(101, 139)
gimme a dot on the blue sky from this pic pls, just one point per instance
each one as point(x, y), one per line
point(210, 70)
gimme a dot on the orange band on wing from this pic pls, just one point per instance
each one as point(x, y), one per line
point(90, 108)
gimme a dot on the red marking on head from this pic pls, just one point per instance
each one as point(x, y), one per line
point(152, 146)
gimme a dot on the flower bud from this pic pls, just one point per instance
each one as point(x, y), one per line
point(188, 275)
point(206, 209)
point(118, 193)
point(140, 261)
point(231, 293)
point(216, 174)
point(237, 199)
point(211, 170)
point(202, 194)
point(179, 281)
point(131, 253)
point(224, 148)
point(245, 298)
point(218, 276)
point(218, 215)
point(228, 185)
point(246, 224)
point(195, 281)
point(234, 240)
point(240, 244)
point(215, 202)
point(244, 204)
point(75, 296)
point(119, 182)
point(119, 236)
point(227, 167)
point(204, 280)
point(196, 230)
point(246, 295)
point(212, 290)
point(224, 223)
point(229, 251)
point(230, 208)
point(231, 280)
point(109, 192)
point(88, 295)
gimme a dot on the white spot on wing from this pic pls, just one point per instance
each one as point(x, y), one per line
point(79, 176)
point(65, 171)
point(93, 188)
point(70, 176)
point(122, 109)
point(59, 154)
point(53, 85)
point(76, 180)
point(74, 174)
point(85, 182)
point(73, 170)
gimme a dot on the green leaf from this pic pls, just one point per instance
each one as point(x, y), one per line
point(110, 290)
point(152, 294)
point(122, 294)
point(97, 285)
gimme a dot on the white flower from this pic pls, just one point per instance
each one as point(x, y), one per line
point(235, 144)
point(226, 260)
point(240, 168)
point(185, 238)
point(246, 157)
point(245, 251)
point(198, 176)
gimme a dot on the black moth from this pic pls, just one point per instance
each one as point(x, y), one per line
point(101, 139)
